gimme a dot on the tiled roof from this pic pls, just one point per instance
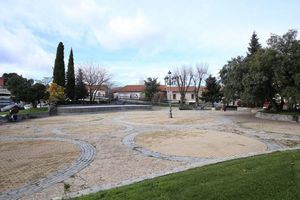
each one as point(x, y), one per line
point(140, 88)
point(132, 88)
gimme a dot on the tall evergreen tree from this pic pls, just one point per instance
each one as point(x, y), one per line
point(254, 44)
point(151, 87)
point(70, 86)
point(80, 89)
point(212, 93)
point(59, 66)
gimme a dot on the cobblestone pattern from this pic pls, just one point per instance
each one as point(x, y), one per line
point(133, 129)
point(86, 157)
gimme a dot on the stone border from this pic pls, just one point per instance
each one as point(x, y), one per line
point(190, 162)
point(278, 117)
point(96, 189)
point(87, 155)
point(89, 109)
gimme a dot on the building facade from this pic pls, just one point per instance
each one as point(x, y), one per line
point(136, 92)
point(5, 95)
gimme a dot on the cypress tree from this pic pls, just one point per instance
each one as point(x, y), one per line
point(80, 89)
point(254, 45)
point(59, 66)
point(70, 86)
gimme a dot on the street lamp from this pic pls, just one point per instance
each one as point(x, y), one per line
point(169, 82)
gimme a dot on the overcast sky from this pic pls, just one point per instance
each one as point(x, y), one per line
point(136, 39)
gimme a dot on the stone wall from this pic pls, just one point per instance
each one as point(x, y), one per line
point(89, 109)
point(278, 117)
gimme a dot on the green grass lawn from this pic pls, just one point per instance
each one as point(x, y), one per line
point(29, 111)
point(272, 176)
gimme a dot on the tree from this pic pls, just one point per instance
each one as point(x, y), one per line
point(183, 79)
point(57, 93)
point(95, 78)
point(232, 75)
point(254, 45)
point(287, 70)
point(212, 93)
point(38, 91)
point(198, 75)
point(258, 83)
point(80, 88)
point(70, 86)
point(59, 66)
point(271, 73)
point(151, 88)
point(23, 89)
point(7, 76)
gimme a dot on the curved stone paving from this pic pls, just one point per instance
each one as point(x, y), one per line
point(134, 128)
point(87, 154)
point(119, 160)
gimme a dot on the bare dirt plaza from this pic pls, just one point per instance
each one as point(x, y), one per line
point(130, 146)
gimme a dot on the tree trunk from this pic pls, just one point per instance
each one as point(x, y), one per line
point(182, 99)
point(91, 95)
point(197, 98)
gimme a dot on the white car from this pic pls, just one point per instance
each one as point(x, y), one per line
point(42, 105)
point(27, 106)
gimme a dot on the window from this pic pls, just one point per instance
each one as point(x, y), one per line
point(192, 96)
point(174, 96)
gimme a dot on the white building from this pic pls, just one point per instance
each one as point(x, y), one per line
point(136, 92)
point(5, 95)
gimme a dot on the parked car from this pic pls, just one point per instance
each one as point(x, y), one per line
point(27, 106)
point(9, 107)
point(42, 105)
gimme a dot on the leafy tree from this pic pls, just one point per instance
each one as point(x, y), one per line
point(258, 83)
point(38, 92)
point(7, 76)
point(254, 45)
point(231, 76)
point(19, 88)
point(151, 88)
point(59, 66)
point(57, 93)
point(271, 73)
point(70, 86)
point(23, 89)
point(212, 92)
point(80, 88)
point(287, 71)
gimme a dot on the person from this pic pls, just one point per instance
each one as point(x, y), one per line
point(13, 113)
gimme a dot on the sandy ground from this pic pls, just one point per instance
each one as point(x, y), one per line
point(198, 133)
point(26, 162)
point(162, 118)
point(200, 144)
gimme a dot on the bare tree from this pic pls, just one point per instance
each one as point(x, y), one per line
point(183, 78)
point(199, 74)
point(95, 77)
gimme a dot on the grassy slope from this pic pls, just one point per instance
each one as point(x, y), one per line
point(273, 176)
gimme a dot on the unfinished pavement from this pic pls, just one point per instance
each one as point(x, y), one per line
point(117, 164)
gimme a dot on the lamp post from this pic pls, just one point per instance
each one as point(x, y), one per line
point(168, 81)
